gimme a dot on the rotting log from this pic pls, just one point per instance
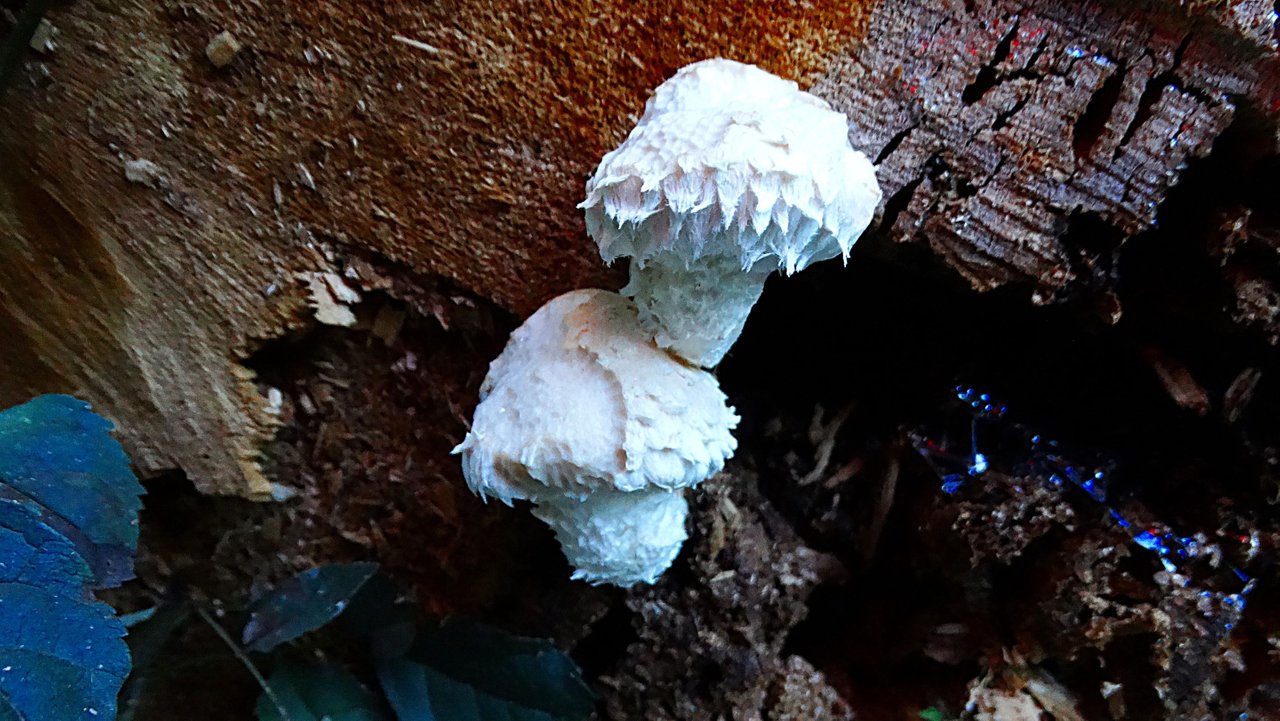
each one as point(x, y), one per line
point(996, 129)
point(163, 218)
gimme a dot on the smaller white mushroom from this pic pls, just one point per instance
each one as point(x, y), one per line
point(731, 173)
point(586, 417)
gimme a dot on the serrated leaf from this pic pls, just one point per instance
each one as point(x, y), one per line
point(59, 458)
point(318, 693)
point(463, 671)
point(61, 657)
point(68, 523)
point(304, 603)
point(34, 554)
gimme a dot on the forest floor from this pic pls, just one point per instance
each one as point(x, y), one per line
point(1099, 543)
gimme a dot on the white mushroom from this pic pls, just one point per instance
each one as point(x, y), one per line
point(731, 173)
point(618, 537)
point(586, 417)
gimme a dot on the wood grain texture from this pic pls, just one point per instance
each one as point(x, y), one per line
point(461, 155)
point(998, 127)
point(324, 132)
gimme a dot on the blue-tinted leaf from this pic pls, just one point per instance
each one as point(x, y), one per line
point(59, 457)
point(318, 693)
point(463, 671)
point(304, 603)
point(405, 684)
point(60, 657)
point(34, 554)
point(138, 617)
point(68, 523)
point(7, 711)
point(67, 703)
point(147, 638)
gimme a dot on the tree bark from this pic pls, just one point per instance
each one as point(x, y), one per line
point(164, 218)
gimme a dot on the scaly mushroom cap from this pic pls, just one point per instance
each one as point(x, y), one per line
point(730, 160)
point(581, 399)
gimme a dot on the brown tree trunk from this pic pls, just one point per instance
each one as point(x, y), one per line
point(285, 267)
point(164, 217)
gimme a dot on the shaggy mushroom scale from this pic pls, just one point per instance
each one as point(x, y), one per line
point(585, 417)
point(732, 173)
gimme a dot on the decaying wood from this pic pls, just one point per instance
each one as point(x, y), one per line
point(460, 154)
point(164, 217)
point(999, 127)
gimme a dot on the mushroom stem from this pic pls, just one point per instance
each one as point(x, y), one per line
point(697, 309)
point(617, 537)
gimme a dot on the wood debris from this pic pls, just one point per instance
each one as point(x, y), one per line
point(387, 324)
point(1239, 393)
point(824, 437)
point(331, 298)
point(143, 172)
point(1178, 381)
point(42, 38)
point(425, 47)
point(222, 49)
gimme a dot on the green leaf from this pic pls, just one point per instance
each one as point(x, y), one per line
point(304, 603)
point(147, 638)
point(68, 523)
point(61, 657)
point(931, 714)
point(463, 671)
point(59, 458)
point(317, 693)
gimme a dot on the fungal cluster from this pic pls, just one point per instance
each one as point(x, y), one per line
point(599, 411)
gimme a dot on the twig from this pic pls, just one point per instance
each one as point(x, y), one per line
point(888, 489)
point(416, 44)
point(243, 658)
point(827, 444)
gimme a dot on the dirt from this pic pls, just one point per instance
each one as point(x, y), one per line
point(710, 635)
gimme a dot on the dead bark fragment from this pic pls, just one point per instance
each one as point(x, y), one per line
point(994, 125)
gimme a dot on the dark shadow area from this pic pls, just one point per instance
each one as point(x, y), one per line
point(892, 333)
point(1091, 125)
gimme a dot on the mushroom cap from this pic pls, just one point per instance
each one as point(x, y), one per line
point(731, 160)
point(582, 399)
point(618, 537)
